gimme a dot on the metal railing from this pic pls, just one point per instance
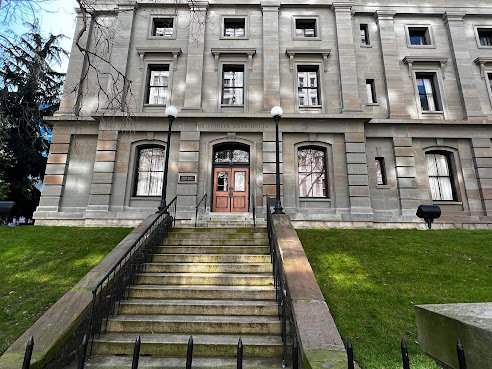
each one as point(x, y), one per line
point(283, 308)
point(253, 209)
point(200, 210)
point(113, 286)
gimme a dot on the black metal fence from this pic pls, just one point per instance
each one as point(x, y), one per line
point(200, 210)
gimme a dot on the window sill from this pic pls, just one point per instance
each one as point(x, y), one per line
point(372, 104)
point(446, 202)
point(306, 38)
point(314, 199)
point(146, 198)
point(383, 187)
point(365, 46)
point(438, 114)
point(484, 47)
point(233, 38)
point(161, 37)
point(310, 109)
point(421, 46)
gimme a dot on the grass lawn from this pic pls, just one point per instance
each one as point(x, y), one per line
point(371, 280)
point(39, 264)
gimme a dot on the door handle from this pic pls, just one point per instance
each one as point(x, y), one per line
point(230, 192)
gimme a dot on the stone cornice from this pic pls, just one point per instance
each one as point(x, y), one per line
point(217, 51)
point(175, 51)
point(410, 60)
point(482, 61)
point(325, 53)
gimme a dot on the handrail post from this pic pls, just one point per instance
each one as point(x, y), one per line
point(27, 356)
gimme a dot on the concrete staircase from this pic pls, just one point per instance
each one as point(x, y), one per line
point(230, 220)
point(215, 284)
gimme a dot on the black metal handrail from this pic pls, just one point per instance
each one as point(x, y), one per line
point(112, 287)
point(279, 281)
point(253, 208)
point(200, 210)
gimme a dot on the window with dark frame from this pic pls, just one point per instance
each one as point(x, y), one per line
point(306, 28)
point(440, 178)
point(312, 172)
point(150, 171)
point(380, 171)
point(364, 34)
point(485, 36)
point(233, 85)
point(234, 27)
point(371, 92)
point(419, 36)
point(426, 86)
point(308, 85)
point(163, 27)
point(158, 84)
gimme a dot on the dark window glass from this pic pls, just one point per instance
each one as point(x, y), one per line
point(485, 36)
point(440, 178)
point(150, 170)
point(380, 171)
point(308, 90)
point(312, 172)
point(163, 27)
point(233, 85)
point(364, 34)
point(419, 35)
point(371, 91)
point(229, 156)
point(306, 28)
point(234, 27)
point(427, 92)
point(158, 85)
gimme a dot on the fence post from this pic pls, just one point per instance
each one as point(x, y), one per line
point(350, 354)
point(28, 354)
point(295, 354)
point(240, 354)
point(189, 353)
point(404, 354)
point(461, 355)
point(82, 352)
point(136, 353)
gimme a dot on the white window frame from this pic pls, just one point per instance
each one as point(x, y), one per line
point(234, 16)
point(150, 36)
point(432, 44)
point(316, 18)
point(136, 170)
point(439, 88)
point(309, 108)
point(223, 65)
point(477, 37)
point(148, 64)
point(238, 60)
point(452, 174)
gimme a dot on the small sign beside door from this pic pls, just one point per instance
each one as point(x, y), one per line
point(187, 178)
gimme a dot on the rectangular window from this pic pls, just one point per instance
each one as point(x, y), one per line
point(371, 92)
point(485, 36)
point(163, 27)
point(490, 80)
point(364, 34)
point(440, 179)
point(312, 172)
point(306, 28)
point(427, 92)
point(380, 171)
point(234, 27)
point(233, 85)
point(308, 85)
point(150, 171)
point(419, 36)
point(158, 85)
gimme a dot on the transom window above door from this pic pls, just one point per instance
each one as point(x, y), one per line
point(231, 156)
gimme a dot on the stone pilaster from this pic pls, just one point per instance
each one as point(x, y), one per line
point(56, 170)
point(482, 154)
point(102, 174)
point(391, 64)
point(271, 54)
point(461, 60)
point(406, 175)
point(358, 179)
point(189, 156)
point(196, 48)
point(346, 56)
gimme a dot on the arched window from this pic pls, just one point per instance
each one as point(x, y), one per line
point(312, 172)
point(150, 170)
point(440, 176)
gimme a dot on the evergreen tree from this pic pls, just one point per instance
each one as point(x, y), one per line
point(29, 90)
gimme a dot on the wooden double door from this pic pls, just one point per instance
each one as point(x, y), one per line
point(231, 190)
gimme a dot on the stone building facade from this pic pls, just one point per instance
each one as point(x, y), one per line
point(387, 105)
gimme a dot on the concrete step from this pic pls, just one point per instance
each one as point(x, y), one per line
point(146, 362)
point(235, 250)
point(237, 231)
point(175, 345)
point(206, 241)
point(208, 267)
point(195, 324)
point(199, 307)
point(221, 279)
point(218, 234)
point(209, 258)
point(203, 292)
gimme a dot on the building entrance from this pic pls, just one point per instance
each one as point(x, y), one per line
point(230, 185)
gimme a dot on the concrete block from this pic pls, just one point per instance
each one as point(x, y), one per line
point(101, 189)
point(105, 156)
point(402, 141)
point(57, 158)
point(53, 179)
point(106, 145)
point(358, 180)
point(104, 166)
